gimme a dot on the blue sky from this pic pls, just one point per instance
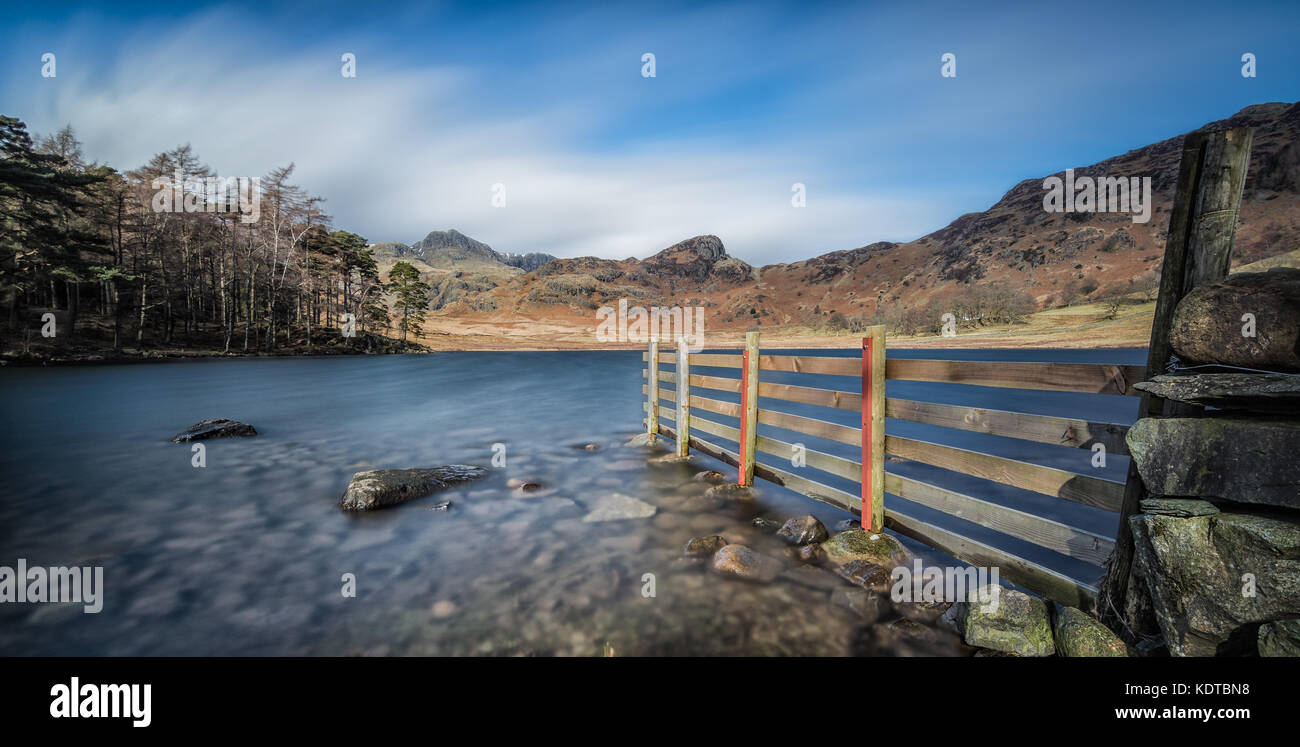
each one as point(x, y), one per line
point(549, 101)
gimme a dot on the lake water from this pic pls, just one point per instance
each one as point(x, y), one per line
point(246, 556)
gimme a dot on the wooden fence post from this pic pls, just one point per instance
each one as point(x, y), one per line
point(1198, 250)
point(652, 422)
point(683, 398)
point(873, 429)
point(748, 409)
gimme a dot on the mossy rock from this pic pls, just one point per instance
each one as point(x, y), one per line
point(1078, 634)
point(874, 547)
point(1016, 623)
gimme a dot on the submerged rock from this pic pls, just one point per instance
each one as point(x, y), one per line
point(866, 574)
point(218, 428)
point(710, 475)
point(643, 439)
point(705, 545)
point(616, 507)
point(386, 487)
point(766, 524)
point(803, 530)
point(1195, 570)
point(1249, 460)
point(1014, 622)
point(869, 607)
point(730, 490)
point(812, 554)
point(742, 562)
point(1079, 634)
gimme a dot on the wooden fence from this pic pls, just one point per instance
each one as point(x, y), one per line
point(690, 430)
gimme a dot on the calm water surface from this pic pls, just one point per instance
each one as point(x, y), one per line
point(246, 555)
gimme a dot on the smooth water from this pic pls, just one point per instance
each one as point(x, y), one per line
point(246, 556)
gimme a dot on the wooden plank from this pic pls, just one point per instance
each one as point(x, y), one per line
point(1053, 535)
point(812, 364)
point(730, 409)
point(811, 426)
point(716, 359)
point(826, 494)
point(714, 429)
point(833, 398)
point(1071, 486)
point(749, 409)
point(683, 398)
point(652, 391)
point(1058, 377)
point(838, 466)
point(1040, 428)
point(1050, 583)
point(715, 382)
point(873, 429)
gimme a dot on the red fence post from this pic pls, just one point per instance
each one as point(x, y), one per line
point(866, 433)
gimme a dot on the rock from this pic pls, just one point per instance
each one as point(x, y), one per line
point(641, 439)
point(386, 487)
point(1014, 622)
point(219, 428)
point(866, 574)
point(710, 475)
point(1207, 324)
point(766, 524)
point(587, 447)
point(926, 613)
point(1236, 459)
point(616, 507)
point(444, 608)
point(705, 545)
point(812, 554)
point(1079, 634)
point(671, 459)
point(844, 525)
point(1281, 638)
point(870, 607)
point(1195, 568)
point(857, 544)
point(526, 488)
point(730, 491)
point(742, 562)
point(1275, 394)
point(954, 619)
point(1182, 507)
point(904, 638)
point(803, 530)
point(813, 578)
point(440, 506)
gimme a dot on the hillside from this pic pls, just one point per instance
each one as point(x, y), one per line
point(1029, 258)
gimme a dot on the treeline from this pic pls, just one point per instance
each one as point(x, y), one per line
point(111, 255)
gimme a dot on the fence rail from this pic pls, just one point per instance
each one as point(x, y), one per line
point(689, 429)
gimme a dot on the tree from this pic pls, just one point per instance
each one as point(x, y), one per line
point(411, 297)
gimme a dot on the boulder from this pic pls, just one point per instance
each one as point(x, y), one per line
point(1015, 623)
point(857, 544)
point(710, 475)
point(617, 507)
point(730, 491)
point(1207, 325)
point(1079, 634)
point(766, 524)
point(1235, 459)
point(1275, 394)
point(700, 546)
point(1281, 638)
point(869, 607)
point(742, 562)
point(1214, 578)
point(811, 554)
point(643, 439)
point(377, 488)
point(218, 428)
point(803, 530)
point(866, 574)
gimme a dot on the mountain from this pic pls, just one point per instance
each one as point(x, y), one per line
point(452, 249)
point(1014, 249)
